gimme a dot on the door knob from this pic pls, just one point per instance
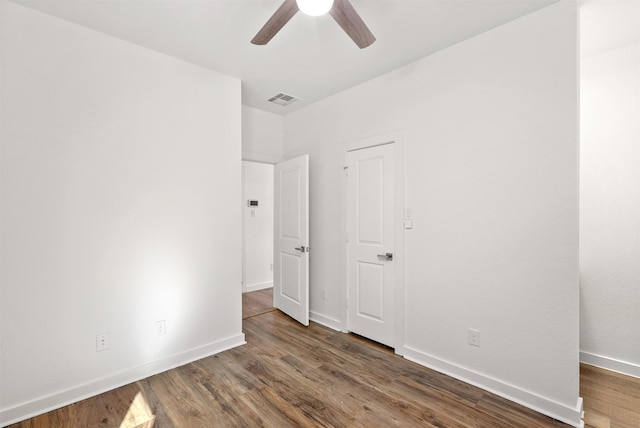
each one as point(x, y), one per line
point(387, 256)
point(301, 249)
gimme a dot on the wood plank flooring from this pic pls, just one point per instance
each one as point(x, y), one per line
point(257, 302)
point(293, 376)
point(611, 400)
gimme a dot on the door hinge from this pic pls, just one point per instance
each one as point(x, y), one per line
point(346, 171)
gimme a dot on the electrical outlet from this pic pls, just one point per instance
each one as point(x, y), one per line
point(474, 337)
point(323, 293)
point(161, 327)
point(102, 342)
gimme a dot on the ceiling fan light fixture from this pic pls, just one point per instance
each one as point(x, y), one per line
point(314, 7)
point(341, 11)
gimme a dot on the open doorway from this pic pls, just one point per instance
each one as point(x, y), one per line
point(257, 226)
point(282, 233)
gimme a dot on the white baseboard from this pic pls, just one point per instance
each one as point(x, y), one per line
point(256, 287)
point(77, 393)
point(332, 323)
point(561, 412)
point(624, 367)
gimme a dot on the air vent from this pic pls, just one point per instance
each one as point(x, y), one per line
point(283, 99)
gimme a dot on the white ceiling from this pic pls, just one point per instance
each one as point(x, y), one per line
point(311, 58)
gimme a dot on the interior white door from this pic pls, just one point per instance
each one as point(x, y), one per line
point(291, 238)
point(371, 243)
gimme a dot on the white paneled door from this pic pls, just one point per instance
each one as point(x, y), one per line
point(371, 243)
point(291, 238)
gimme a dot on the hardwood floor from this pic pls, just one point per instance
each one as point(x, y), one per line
point(611, 400)
point(293, 376)
point(257, 302)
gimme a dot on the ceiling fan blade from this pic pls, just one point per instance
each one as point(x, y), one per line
point(281, 16)
point(347, 17)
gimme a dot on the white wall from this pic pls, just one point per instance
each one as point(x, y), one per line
point(262, 135)
point(490, 139)
point(257, 226)
point(120, 185)
point(610, 207)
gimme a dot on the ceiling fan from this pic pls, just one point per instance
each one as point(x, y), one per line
point(341, 10)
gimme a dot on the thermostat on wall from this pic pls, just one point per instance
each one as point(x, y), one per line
point(252, 203)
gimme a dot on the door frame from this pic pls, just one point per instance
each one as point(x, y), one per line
point(395, 138)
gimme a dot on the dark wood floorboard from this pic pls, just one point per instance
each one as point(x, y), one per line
point(293, 376)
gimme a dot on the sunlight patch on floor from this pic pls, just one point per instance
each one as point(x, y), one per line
point(139, 413)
